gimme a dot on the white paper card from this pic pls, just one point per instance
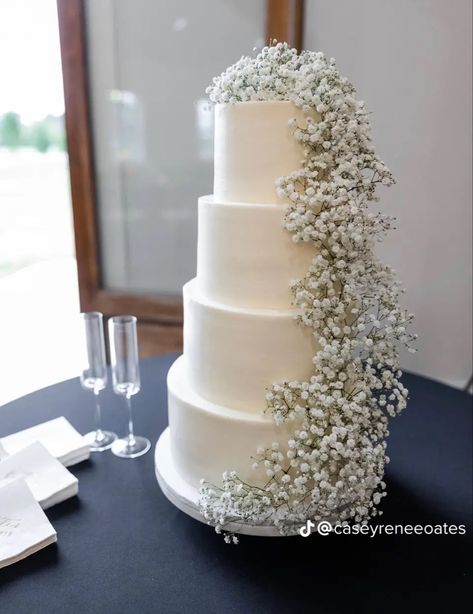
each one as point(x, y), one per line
point(24, 527)
point(49, 481)
point(58, 436)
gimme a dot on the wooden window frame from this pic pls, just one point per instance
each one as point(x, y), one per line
point(284, 21)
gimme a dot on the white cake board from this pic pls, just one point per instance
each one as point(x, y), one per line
point(185, 497)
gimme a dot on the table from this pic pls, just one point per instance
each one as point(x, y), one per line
point(122, 547)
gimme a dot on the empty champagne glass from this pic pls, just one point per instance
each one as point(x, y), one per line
point(94, 377)
point(126, 380)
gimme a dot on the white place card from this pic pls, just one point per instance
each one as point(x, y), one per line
point(49, 481)
point(24, 527)
point(58, 436)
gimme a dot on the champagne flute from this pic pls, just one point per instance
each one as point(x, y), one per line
point(126, 380)
point(94, 377)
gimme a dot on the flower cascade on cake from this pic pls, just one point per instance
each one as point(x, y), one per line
point(333, 464)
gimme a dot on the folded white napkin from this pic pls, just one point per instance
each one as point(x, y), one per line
point(24, 527)
point(58, 436)
point(49, 481)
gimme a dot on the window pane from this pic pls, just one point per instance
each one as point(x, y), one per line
point(149, 64)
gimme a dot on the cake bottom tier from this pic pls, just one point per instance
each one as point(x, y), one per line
point(208, 439)
point(186, 497)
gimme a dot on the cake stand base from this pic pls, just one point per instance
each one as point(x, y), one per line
point(185, 497)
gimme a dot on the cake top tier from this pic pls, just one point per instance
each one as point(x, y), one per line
point(262, 103)
point(254, 145)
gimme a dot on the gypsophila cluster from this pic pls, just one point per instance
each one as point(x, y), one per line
point(333, 465)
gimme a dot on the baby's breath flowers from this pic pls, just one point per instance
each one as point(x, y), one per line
point(333, 465)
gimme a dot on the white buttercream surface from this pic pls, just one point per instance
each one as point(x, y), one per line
point(254, 146)
point(233, 354)
point(245, 257)
point(208, 439)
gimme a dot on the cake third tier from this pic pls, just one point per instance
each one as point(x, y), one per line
point(232, 355)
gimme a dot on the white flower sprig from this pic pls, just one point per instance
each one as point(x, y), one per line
point(333, 465)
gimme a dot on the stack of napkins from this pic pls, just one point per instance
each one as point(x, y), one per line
point(33, 475)
point(58, 436)
point(24, 528)
point(49, 481)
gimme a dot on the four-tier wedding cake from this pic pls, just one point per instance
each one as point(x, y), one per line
point(254, 333)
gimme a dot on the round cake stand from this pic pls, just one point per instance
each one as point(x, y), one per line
point(185, 497)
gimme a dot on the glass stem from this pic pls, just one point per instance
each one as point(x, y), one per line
point(131, 434)
point(98, 417)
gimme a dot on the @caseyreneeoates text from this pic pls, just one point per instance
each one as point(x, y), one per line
point(324, 527)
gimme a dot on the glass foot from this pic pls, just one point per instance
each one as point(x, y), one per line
point(131, 447)
point(100, 440)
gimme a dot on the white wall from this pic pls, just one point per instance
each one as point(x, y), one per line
point(411, 61)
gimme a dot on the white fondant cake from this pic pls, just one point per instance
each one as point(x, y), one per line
point(326, 372)
point(240, 330)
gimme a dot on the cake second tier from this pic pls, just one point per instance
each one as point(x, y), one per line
point(233, 355)
point(245, 257)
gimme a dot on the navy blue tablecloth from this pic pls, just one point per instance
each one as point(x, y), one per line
point(122, 547)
